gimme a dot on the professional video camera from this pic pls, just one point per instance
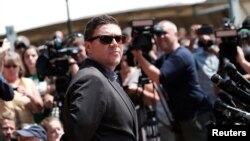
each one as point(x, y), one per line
point(228, 35)
point(53, 63)
point(52, 60)
point(142, 33)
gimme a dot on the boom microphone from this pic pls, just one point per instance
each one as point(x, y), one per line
point(236, 75)
point(229, 87)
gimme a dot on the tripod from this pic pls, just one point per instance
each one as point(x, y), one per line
point(156, 118)
point(61, 83)
point(148, 124)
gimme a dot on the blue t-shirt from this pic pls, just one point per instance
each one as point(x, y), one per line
point(179, 78)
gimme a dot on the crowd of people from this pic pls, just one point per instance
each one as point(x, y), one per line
point(110, 89)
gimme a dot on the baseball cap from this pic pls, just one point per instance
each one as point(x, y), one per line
point(205, 29)
point(4, 45)
point(33, 130)
point(22, 41)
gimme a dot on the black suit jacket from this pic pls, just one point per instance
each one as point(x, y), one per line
point(97, 108)
point(6, 91)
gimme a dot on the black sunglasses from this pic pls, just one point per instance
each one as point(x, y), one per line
point(10, 66)
point(107, 39)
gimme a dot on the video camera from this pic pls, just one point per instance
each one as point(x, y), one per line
point(53, 58)
point(229, 37)
point(143, 31)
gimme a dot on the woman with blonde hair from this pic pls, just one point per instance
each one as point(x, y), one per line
point(27, 99)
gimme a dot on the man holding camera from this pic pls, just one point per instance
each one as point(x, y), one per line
point(76, 41)
point(207, 61)
point(176, 71)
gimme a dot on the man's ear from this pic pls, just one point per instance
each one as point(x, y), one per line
point(87, 45)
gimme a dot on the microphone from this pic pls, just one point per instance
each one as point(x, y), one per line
point(228, 99)
point(240, 114)
point(229, 87)
point(236, 75)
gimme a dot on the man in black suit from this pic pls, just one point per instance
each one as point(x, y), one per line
point(6, 91)
point(96, 106)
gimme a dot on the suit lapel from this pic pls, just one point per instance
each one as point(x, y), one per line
point(126, 100)
point(118, 89)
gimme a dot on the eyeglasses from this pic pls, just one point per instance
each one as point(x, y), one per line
point(107, 39)
point(10, 66)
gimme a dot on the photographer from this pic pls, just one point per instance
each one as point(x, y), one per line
point(243, 56)
point(129, 75)
point(62, 57)
point(207, 62)
point(139, 88)
point(76, 40)
point(240, 58)
point(177, 73)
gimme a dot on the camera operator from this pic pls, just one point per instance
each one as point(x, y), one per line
point(76, 40)
point(59, 61)
point(176, 71)
point(207, 62)
point(243, 57)
point(129, 78)
point(129, 75)
point(240, 58)
point(230, 49)
point(139, 88)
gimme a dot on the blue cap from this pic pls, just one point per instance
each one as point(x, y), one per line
point(33, 130)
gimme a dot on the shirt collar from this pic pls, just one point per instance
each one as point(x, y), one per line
point(107, 72)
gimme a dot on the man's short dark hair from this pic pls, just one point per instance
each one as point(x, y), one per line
point(97, 21)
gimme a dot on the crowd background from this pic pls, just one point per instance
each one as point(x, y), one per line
point(38, 99)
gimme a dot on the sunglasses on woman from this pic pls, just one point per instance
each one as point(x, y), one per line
point(107, 39)
point(10, 66)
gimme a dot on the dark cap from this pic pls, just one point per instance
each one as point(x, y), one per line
point(33, 130)
point(22, 41)
point(246, 22)
point(206, 29)
point(127, 31)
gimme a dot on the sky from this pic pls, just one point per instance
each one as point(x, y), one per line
point(29, 14)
